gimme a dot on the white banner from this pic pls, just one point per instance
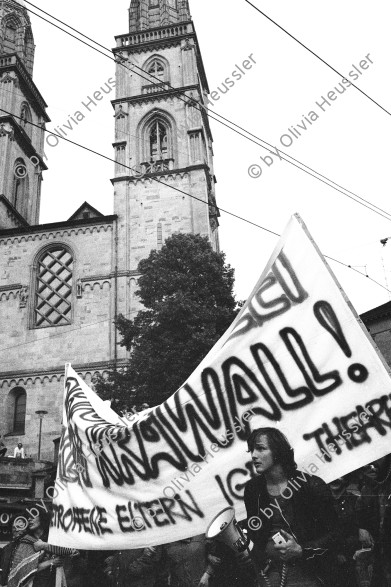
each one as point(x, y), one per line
point(297, 357)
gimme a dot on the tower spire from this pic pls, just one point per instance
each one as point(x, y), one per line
point(16, 33)
point(146, 14)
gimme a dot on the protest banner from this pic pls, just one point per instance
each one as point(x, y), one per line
point(297, 357)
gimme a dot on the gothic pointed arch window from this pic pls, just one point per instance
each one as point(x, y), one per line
point(158, 141)
point(26, 118)
point(10, 35)
point(158, 146)
point(10, 32)
point(53, 287)
point(156, 69)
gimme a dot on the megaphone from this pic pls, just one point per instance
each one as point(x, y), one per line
point(225, 528)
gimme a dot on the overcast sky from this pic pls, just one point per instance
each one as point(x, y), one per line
point(349, 142)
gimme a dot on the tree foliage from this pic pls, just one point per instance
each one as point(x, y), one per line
point(187, 292)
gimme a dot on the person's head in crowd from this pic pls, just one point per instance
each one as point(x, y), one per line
point(339, 485)
point(38, 525)
point(20, 445)
point(377, 471)
point(270, 450)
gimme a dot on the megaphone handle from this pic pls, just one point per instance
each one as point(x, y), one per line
point(284, 576)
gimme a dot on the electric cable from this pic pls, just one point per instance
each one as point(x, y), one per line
point(138, 137)
point(207, 203)
point(218, 208)
point(130, 313)
point(317, 56)
point(200, 107)
point(211, 205)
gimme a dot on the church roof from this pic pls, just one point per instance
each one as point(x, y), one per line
point(86, 211)
point(9, 216)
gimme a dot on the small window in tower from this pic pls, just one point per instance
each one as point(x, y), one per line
point(25, 119)
point(158, 141)
point(20, 187)
point(10, 33)
point(53, 294)
point(156, 70)
point(159, 235)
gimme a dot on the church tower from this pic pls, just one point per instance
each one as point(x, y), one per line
point(163, 142)
point(21, 144)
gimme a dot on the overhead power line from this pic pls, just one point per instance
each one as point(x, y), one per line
point(217, 208)
point(200, 107)
point(82, 326)
point(317, 56)
point(121, 132)
point(154, 178)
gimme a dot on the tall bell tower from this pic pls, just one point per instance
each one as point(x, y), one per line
point(162, 139)
point(21, 144)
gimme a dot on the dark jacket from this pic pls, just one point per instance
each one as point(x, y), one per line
point(136, 568)
point(315, 526)
point(367, 509)
point(369, 518)
point(5, 561)
point(187, 561)
point(345, 506)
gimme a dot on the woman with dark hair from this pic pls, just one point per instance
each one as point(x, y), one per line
point(33, 562)
point(290, 516)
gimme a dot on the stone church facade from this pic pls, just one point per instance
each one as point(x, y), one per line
point(63, 284)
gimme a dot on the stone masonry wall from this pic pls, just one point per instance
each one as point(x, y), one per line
point(33, 358)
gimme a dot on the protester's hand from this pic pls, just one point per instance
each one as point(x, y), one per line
point(244, 559)
point(204, 581)
point(365, 538)
point(109, 567)
point(53, 562)
point(290, 550)
point(39, 545)
point(75, 553)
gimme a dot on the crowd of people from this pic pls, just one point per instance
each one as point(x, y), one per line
point(335, 535)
